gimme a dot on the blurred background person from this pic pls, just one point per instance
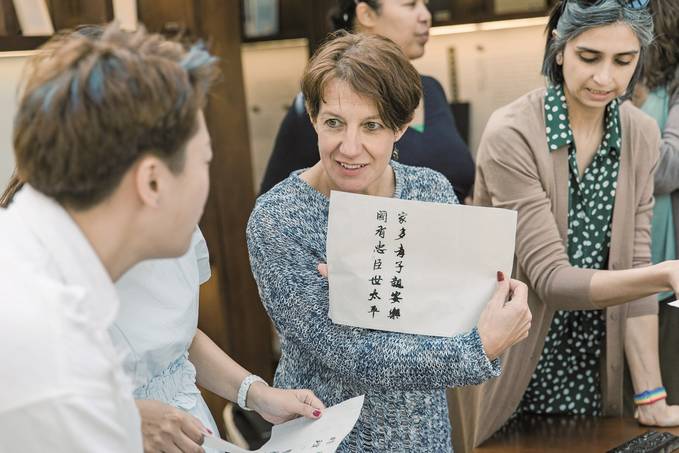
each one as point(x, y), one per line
point(431, 139)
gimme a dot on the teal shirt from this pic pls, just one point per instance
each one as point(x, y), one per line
point(566, 379)
point(663, 246)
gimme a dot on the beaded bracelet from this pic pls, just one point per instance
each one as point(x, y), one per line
point(245, 386)
point(650, 396)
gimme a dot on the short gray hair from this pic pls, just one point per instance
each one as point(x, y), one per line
point(575, 17)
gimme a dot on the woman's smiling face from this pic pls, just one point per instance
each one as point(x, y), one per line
point(354, 144)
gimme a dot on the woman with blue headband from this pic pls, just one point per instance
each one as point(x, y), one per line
point(577, 164)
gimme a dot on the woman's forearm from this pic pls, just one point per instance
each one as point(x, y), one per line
point(215, 370)
point(641, 349)
point(608, 288)
point(220, 374)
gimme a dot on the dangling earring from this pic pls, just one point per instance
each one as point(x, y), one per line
point(559, 59)
point(394, 153)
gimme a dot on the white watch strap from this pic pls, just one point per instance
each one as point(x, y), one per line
point(245, 386)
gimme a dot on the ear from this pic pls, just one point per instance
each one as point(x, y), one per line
point(147, 180)
point(366, 17)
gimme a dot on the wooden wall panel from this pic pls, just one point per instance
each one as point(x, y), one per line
point(166, 15)
point(232, 195)
point(71, 13)
point(9, 25)
point(319, 23)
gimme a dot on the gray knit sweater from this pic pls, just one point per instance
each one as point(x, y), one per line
point(402, 376)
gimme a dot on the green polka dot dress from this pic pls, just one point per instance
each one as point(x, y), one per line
point(566, 379)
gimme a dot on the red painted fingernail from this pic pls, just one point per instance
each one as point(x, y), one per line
point(208, 430)
point(317, 413)
point(500, 276)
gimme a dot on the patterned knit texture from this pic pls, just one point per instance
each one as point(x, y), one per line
point(402, 376)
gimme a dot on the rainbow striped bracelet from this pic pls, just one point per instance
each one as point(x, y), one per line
point(650, 396)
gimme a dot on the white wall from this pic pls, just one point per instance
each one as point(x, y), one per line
point(11, 66)
point(271, 71)
point(494, 67)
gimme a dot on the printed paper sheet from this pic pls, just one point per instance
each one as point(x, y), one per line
point(414, 267)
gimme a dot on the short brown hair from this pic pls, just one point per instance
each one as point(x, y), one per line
point(374, 67)
point(91, 107)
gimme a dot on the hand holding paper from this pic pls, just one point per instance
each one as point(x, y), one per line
point(500, 326)
point(303, 435)
point(277, 405)
point(504, 322)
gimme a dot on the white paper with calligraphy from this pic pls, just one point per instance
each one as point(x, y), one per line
point(414, 267)
point(303, 435)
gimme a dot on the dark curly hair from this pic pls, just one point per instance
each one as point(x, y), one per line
point(662, 59)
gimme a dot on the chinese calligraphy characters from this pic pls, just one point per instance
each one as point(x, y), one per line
point(383, 266)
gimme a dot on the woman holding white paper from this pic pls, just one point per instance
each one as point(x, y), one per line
point(361, 93)
point(577, 165)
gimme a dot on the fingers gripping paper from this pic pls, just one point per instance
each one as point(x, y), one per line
point(414, 267)
point(303, 435)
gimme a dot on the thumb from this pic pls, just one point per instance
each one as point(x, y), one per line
point(308, 405)
point(501, 290)
point(322, 269)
